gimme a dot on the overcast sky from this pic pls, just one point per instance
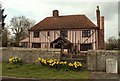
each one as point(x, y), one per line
point(39, 9)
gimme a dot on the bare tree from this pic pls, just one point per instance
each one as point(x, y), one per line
point(20, 26)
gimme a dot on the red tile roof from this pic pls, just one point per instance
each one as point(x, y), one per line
point(64, 22)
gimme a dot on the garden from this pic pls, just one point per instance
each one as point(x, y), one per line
point(44, 69)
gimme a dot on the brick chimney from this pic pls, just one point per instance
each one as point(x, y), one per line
point(55, 13)
point(98, 17)
point(102, 22)
point(100, 25)
point(102, 32)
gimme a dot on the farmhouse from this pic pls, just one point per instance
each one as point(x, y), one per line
point(73, 31)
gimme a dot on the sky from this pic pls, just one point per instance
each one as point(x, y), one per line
point(39, 9)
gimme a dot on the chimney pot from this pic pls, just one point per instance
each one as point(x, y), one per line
point(98, 17)
point(55, 13)
point(97, 7)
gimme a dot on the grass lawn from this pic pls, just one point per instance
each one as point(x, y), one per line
point(41, 72)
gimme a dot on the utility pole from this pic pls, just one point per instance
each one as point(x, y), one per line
point(0, 41)
point(0, 27)
point(2, 24)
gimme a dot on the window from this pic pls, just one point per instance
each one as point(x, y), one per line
point(48, 33)
point(36, 45)
point(36, 34)
point(85, 47)
point(64, 33)
point(24, 44)
point(85, 33)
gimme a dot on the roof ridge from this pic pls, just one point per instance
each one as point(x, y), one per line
point(68, 15)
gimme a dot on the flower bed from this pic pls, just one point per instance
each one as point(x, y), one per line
point(62, 64)
point(14, 60)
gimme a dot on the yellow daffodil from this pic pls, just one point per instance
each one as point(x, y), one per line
point(75, 66)
point(14, 60)
point(50, 61)
point(10, 60)
point(70, 64)
point(39, 59)
point(65, 62)
point(57, 62)
point(61, 62)
point(15, 57)
point(36, 60)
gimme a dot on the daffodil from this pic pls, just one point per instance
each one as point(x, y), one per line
point(70, 64)
point(61, 62)
point(39, 59)
point(36, 60)
point(15, 57)
point(65, 62)
point(50, 61)
point(10, 60)
point(57, 62)
point(75, 66)
point(14, 60)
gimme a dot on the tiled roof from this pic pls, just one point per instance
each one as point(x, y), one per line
point(64, 22)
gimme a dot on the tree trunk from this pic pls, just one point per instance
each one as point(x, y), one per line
point(17, 39)
point(4, 38)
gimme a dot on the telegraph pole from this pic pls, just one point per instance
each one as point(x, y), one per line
point(2, 24)
point(0, 27)
point(0, 42)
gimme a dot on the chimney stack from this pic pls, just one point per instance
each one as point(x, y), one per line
point(102, 32)
point(98, 17)
point(102, 22)
point(100, 25)
point(55, 13)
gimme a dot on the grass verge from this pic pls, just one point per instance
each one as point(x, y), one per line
point(41, 72)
